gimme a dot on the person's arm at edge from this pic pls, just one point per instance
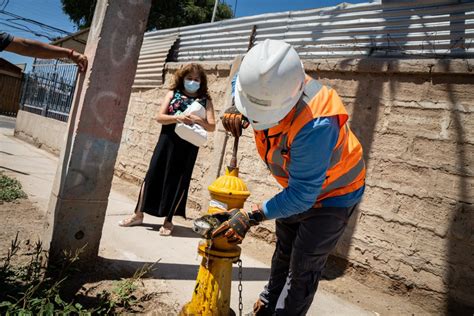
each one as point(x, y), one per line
point(32, 48)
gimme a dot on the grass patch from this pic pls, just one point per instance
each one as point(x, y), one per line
point(28, 286)
point(10, 189)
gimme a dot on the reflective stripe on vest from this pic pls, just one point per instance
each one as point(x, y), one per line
point(346, 170)
point(277, 164)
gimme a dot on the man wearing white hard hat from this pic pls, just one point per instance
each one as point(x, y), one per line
point(302, 135)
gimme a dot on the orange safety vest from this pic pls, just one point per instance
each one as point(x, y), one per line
point(346, 171)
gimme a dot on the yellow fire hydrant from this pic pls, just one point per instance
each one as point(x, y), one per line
point(211, 294)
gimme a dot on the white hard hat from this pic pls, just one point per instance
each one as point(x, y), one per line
point(270, 83)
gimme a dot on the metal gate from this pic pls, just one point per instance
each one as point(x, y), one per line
point(49, 89)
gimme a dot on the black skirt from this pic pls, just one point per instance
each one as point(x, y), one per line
point(165, 188)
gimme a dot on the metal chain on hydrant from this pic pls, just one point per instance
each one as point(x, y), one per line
point(241, 305)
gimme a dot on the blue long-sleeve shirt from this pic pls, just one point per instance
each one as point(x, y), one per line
point(311, 152)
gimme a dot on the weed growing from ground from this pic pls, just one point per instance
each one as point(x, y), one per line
point(122, 295)
point(10, 189)
point(33, 288)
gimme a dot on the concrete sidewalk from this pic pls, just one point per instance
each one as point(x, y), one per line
point(132, 247)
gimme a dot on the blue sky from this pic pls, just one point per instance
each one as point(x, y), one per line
point(253, 7)
point(45, 11)
point(49, 12)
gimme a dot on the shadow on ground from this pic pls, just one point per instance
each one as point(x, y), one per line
point(115, 270)
point(178, 230)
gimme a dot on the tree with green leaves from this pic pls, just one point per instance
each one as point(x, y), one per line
point(163, 14)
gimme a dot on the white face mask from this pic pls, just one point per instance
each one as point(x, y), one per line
point(191, 86)
point(262, 126)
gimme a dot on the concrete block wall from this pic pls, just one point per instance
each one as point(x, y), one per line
point(416, 222)
point(43, 132)
point(415, 226)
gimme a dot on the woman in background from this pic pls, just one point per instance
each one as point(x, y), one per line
point(165, 189)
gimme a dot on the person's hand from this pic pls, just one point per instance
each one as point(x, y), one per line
point(80, 60)
point(185, 119)
point(195, 118)
point(237, 226)
point(233, 121)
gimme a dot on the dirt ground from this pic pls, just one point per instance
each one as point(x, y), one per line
point(22, 217)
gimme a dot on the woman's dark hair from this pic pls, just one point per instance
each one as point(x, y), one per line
point(178, 80)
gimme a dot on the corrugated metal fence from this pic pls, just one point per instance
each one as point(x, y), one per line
point(368, 29)
point(151, 62)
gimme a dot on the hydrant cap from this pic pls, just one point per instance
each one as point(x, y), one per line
point(229, 184)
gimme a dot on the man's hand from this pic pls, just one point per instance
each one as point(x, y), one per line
point(80, 60)
point(237, 226)
point(233, 121)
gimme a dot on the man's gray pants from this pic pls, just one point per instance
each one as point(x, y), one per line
point(304, 242)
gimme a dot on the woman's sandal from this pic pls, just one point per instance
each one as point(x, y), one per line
point(131, 221)
point(165, 231)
